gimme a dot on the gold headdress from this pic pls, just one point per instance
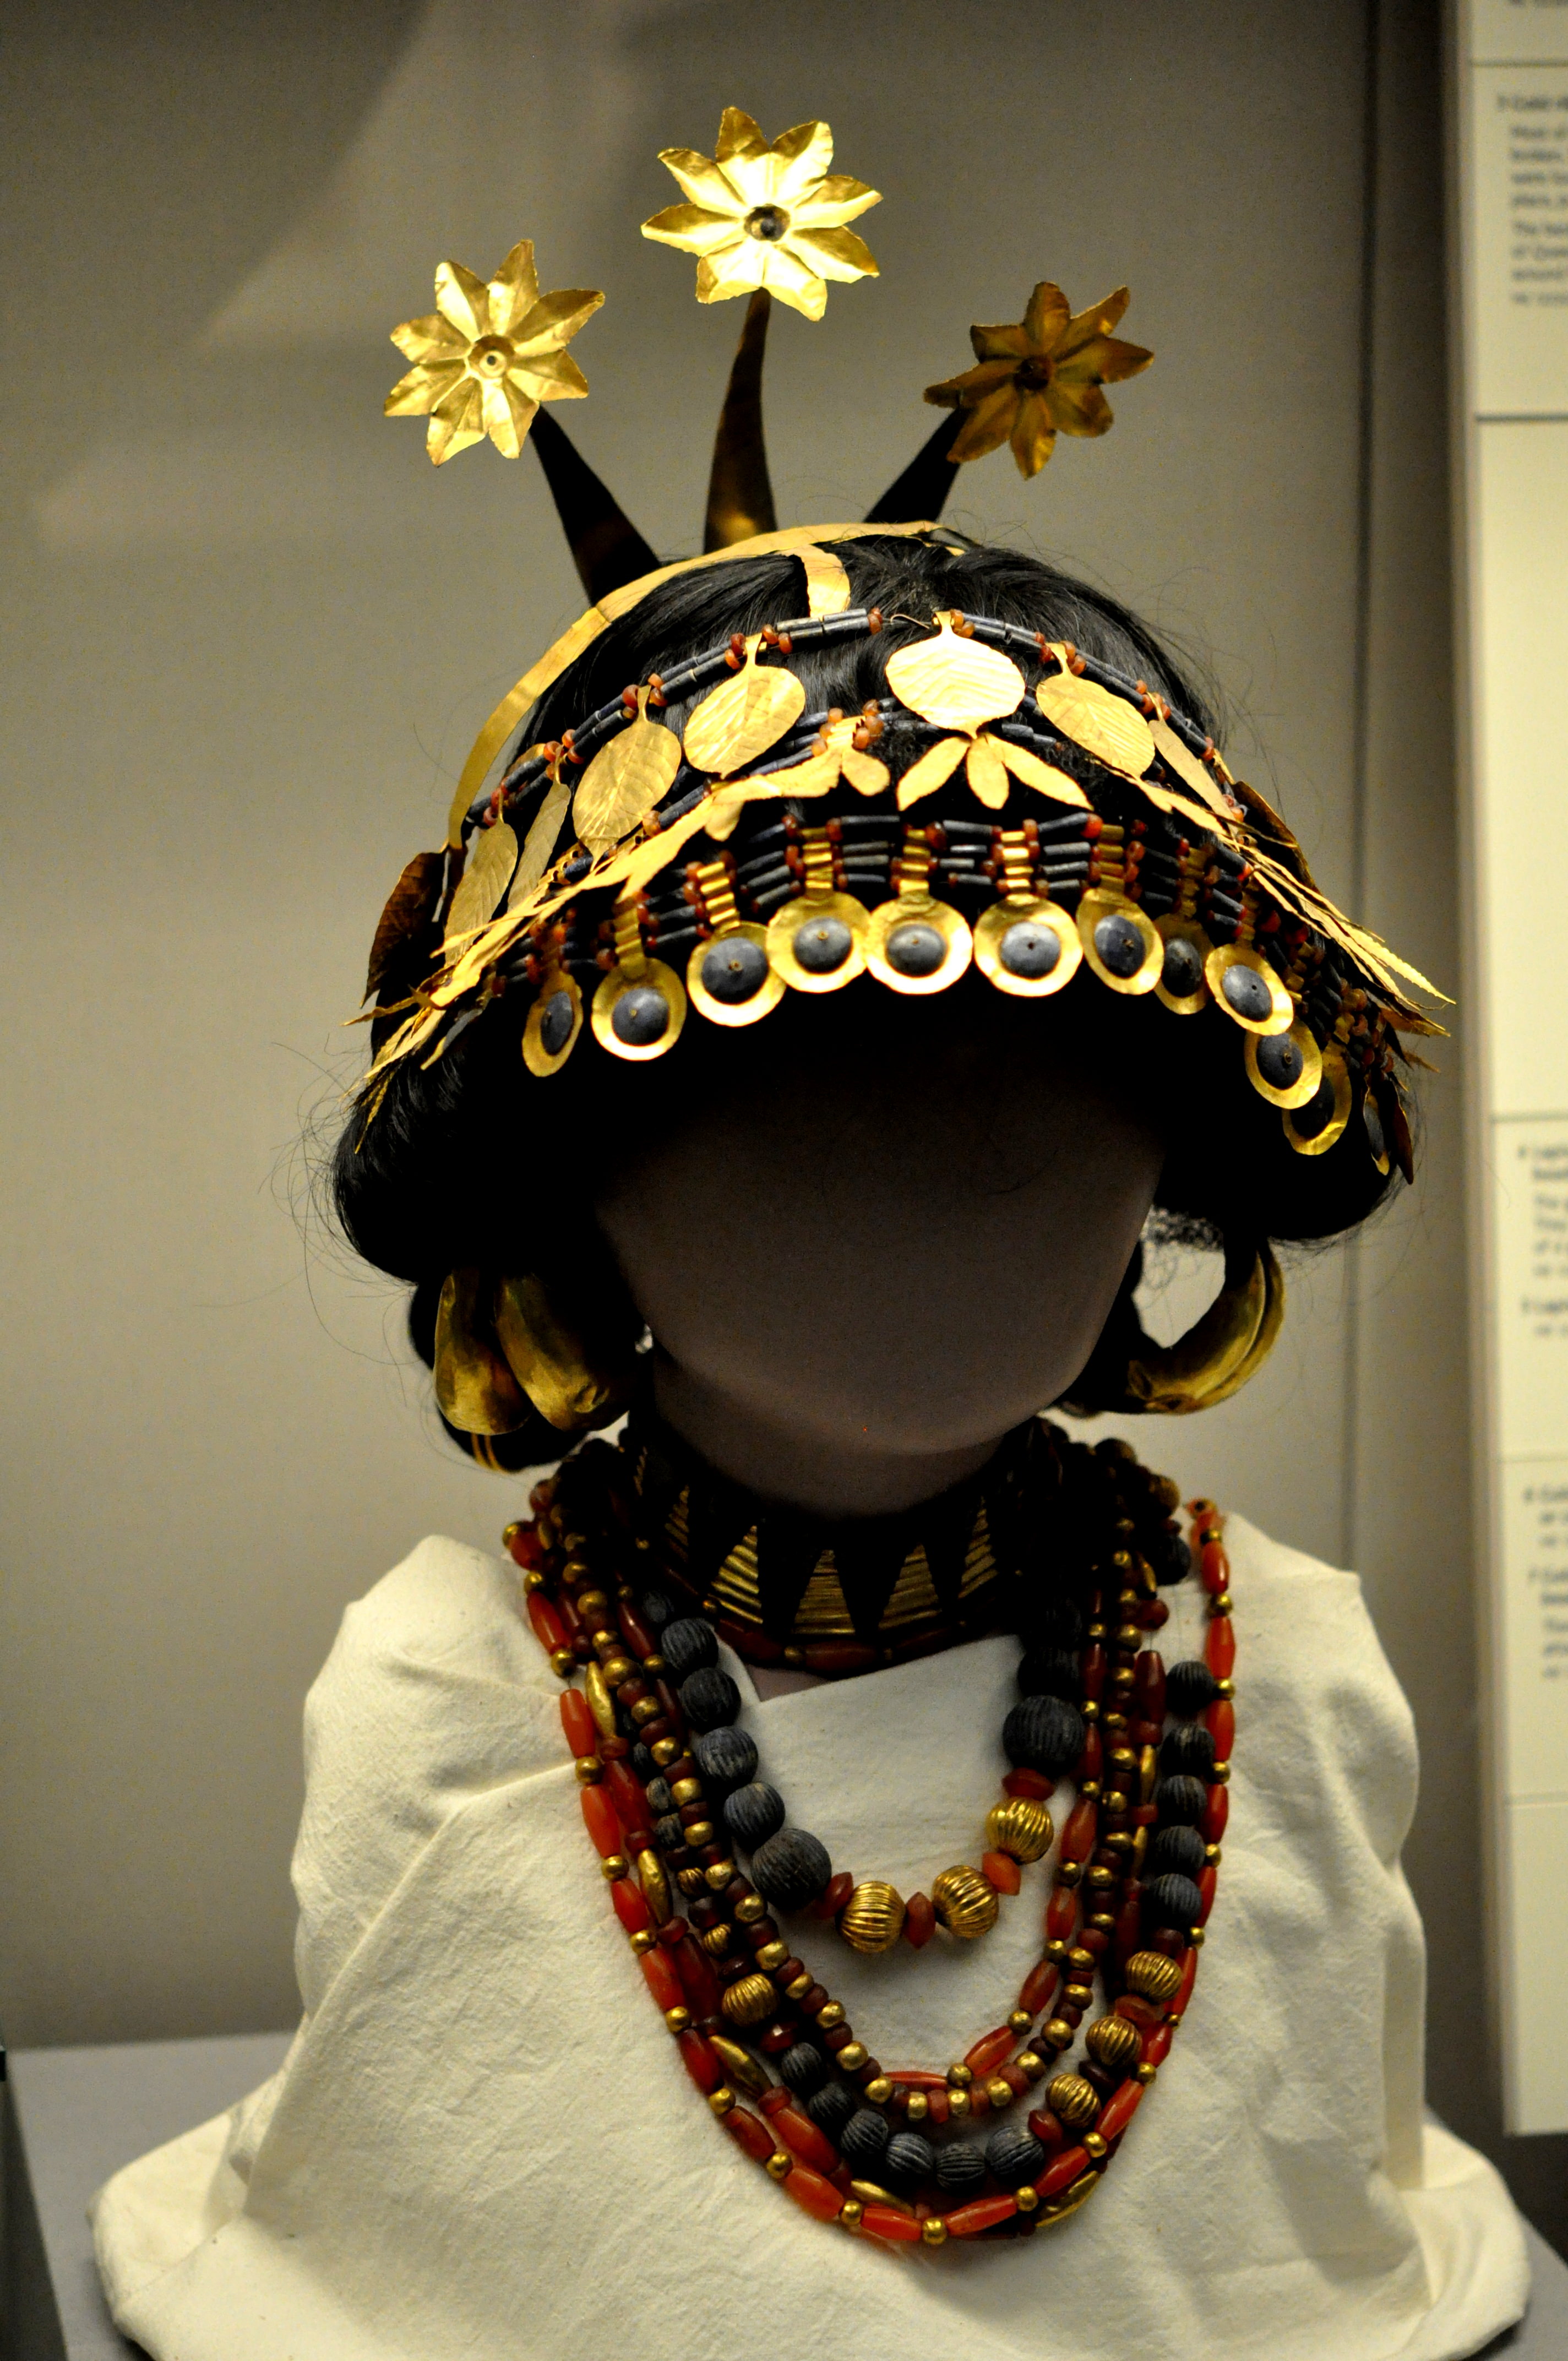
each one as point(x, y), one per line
point(1081, 821)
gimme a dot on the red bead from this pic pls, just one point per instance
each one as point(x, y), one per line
point(1047, 2128)
point(1216, 1812)
point(919, 1920)
point(1222, 1721)
point(798, 2132)
point(886, 2222)
point(1206, 1885)
point(634, 1632)
point(778, 2037)
point(1129, 1929)
point(1184, 1989)
point(1119, 2110)
point(548, 1628)
point(582, 1737)
point(1031, 1784)
point(1093, 1670)
point(1213, 1568)
point(615, 1750)
point(1061, 1914)
point(1090, 1763)
point(602, 1820)
point(699, 1980)
point(1015, 2079)
point(630, 1907)
point(672, 1706)
point(983, 2214)
point(1039, 1986)
point(787, 1973)
point(1220, 1647)
point(672, 1934)
point(812, 2194)
point(939, 2104)
point(989, 2052)
point(831, 1900)
point(1153, 1615)
point(700, 2062)
point(816, 1998)
point(661, 1979)
point(1002, 1871)
point(1156, 2044)
point(978, 2099)
point(1094, 1940)
point(917, 2078)
point(748, 2131)
point(779, 2096)
point(626, 1792)
point(526, 1547)
point(1149, 1686)
point(1078, 1836)
point(1062, 2173)
point(839, 2038)
point(1138, 2011)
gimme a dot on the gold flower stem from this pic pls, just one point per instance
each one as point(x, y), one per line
point(922, 490)
point(739, 497)
point(606, 545)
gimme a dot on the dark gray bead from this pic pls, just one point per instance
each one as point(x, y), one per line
point(864, 2138)
point(1045, 1734)
point(687, 1645)
point(753, 1813)
point(821, 945)
point(725, 1757)
point(1118, 944)
point(669, 1831)
point(804, 2068)
point(1246, 993)
point(643, 1762)
point(710, 1698)
point(1013, 2155)
point(642, 1015)
point(1180, 1802)
point(907, 2159)
point(791, 1868)
point(1188, 1753)
point(555, 1023)
point(1049, 1672)
point(734, 969)
point(1172, 1901)
point(1176, 1851)
point(1170, 1558)
point(1052, 1623)
point(1183, 969)
point(830, 2109)
point(915, 949)
point(1280, 1061)
point(656, 1609)
point(1191, 1687)
point(960, 2169)
point(660, 1799)
point(1029, 949)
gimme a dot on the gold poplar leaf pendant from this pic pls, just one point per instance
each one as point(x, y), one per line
point(1103, 725)
point(626, 780)
point(956, 683)
point(743, 717)
point(485, 881)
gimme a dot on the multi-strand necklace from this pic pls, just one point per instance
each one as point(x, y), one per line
point(670, 1792)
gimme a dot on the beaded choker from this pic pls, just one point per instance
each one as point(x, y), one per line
point(670, 1791)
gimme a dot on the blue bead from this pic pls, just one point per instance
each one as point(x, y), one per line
point(1183, 969)
point(1049, 1672)
point(1029, 949)
point(1176, 1850)
point(830, 2109)
point(555, 1023)
point(915, 949)
point(1188, 1753)
point(1189, 1688)
point(1246, 993)
point(822, 945)
point(640, 1016)
point(1120, 945)
point(734, 969)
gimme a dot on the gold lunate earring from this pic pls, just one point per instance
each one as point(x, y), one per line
point(1213, 1360)
point(503, 1349)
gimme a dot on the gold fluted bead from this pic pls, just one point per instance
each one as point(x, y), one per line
point(1072, 2101)
point(780, 2165)
point(851, 2213)
point(739, 2065)
point(934, 2231)
point(749, 2000)
point(654, 1880)
point(872, 1919)
point(965, 1900)
point(1021, 1828)
point(1116, 2043)
point(721, 2100)
point(716, 1940)
point(1152, 1976)
point(600, 1703)
point(691, 1882)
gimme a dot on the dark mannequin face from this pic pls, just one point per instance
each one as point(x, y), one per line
point(861, 1271)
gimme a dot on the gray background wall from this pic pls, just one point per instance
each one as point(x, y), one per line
point(248, 634)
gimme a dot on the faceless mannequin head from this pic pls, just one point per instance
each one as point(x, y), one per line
point(861, 1271)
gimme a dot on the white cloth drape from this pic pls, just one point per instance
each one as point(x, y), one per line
point(483, 2145)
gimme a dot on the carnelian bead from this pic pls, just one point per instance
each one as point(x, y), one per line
point(1222, 1721)
point(700, 2062)
point(1093, 1670)
point(983, 2214)
point(1046, 2128)
point(779, 2096)
point(1138, 2011)
point(1062, 2173)
point(939, 2105)
point(1119, 2110)
point(978, 2099)
point(1002, 1871)
point(1220, 1647)
point(526, 1547)
point(798, 2132)
point(672, 1933)
point(1213, 1568)
point(1149, 1686)
point(812, 2194)
point(1216, 1815)
point(1184, 1989)
point(1039, 1986)
point(749, 2132)
point(1206, 1885)
point(919, 1920)
point(989, 2052)
point(1156, 2044)
point(832, 1898)
point(1031, 1784)
point(625, 1792)
point(602, 1819)
point(1061, 1914)
point(777, 2038)
point(918, 2078)
point(577, 1723)
point(615, 1750)
point(1092, 1762)
point(661, 1979)
point(548, 1628)
point(699, 1980)
point(885, 2221)
point(1078, 1836)
point(1154, 1614)
point(634, 1632)
point(1129, 1928)
point(629, 1907)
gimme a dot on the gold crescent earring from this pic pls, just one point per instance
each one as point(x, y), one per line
point(504, 1349)
point(1215, 1357)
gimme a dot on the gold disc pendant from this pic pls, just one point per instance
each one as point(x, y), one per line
point(1027, 946)
point(1317, 1126)
point(916, 944)
point(817, 943)
point(1120, 942)
point(1183, 984)
point(729, 977)
point(1285, 1068)
point(553, 1024)
point(1247, 989)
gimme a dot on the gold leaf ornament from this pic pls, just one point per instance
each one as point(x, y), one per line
point(488, 355)
point(739, 721)
point(485, 880)
point(761, 216)
point(625, 780)
point(1105, 725)
point(959, 684)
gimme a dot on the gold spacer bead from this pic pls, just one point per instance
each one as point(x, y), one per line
point(1028, 2197)
point(1221, 1774)
point(830, 2018)
point(1103, 1921)
point(1020, 2021)
point(588, 1769)
point(678, 2020)
point(934, 2231)
point(1146, 2073)
point(686, 1791)
point(534, 1579)
point(619, 1669)
point(562, 1664)
point(510, 1532)
point(1096, 1631)
point(1068, 1872)
point(959, 2077)
point(749, 1908)
point(1220, 1604)
point(1227, 1688)
point(592, 1605)
point(771, 1956)
point(878, 2090)
point(795, 1658)
point(800, 1985)
point(691, 1882)
point(1090, 1709)
point(1078, 1995)
point(1080, 1964)
point(1030, 2063)
point(958, 2105)
point(1195, 1936)
point(1094, 2144)
point(646, 1709)
point(615, 1865)
point(1212, 1856)
point(665, 1751)
point(721, 2100)
point(1090, 1791)
point(919, 2106)
point(644, 1941)
point(655, 1668)
point(1000, 2093)
point(780, 2165)
point(1058, 2034)
point(851, 2213)
point(721, 1874)
point(852, 2057)
point(1127, 1635)
point(699, 1833)
point(1056, 1948)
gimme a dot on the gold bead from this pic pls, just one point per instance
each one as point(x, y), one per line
point(599, 1702)
point(1218, 1605)
point(1221, 1774)
point(1127, 1635)
point(1000, 2093)
point(1068, 1872)
point(654, 1880)
point(590, 1769)
point(686, 1791)
point(665, 1751)
point(721, 1874)
point(698, 1834)
point(852, 2057)
point(534, 1579)
point(780, 2165)
point(878, 2090)
point(959, 2077)
point(654, 1667)
point(1056, 1948)
point(830, 2018)
point(1100, 1878)
point(851, 2213)
point(1019, 2021)
point(615, 1865)
point(1096, 2145)
point(771, 1956)
point(1058, 2033)
point(965, 1900)
point(872, 1919)
point(739, 2065)
point(1030, 2063)
point(1195, 1936)
point(1020, 1828)
point(1116, 2043)
point(1080, 1963)
point(716, 1940)
point(872, 2192)
point(795, 1658)
point(1089, 1792)
point(646, 1709)
point(749, 2000)
point(1072, 2101)
point(958, 2105)
point(919, 2106)
point(510, 1532)
point(644, 1941)
point(592, 1605)
point(562, 1664)
point(678, 2020)
point(1146, 2073)
point(797, 1988)
point(1103, 1921)
point(1079, 1995)
point(1212, 1856)
point(749, 1908)
point(618, 1669)
point(1028, 2197)
point(721, 2100)
point(934, 2231)
point(691, 1882)
point(1227, 1688)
